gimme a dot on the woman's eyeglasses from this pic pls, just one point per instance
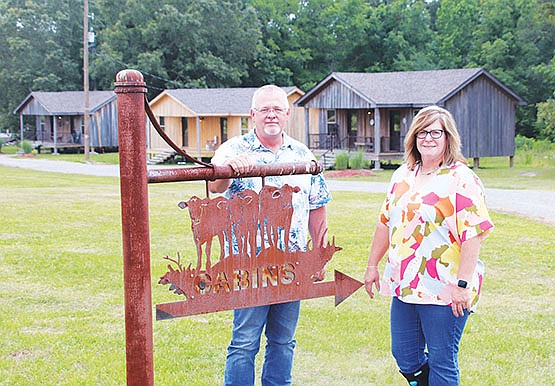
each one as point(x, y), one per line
point(435, 134)
point(268, 110)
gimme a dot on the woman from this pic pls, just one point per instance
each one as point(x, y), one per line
point(432, 223)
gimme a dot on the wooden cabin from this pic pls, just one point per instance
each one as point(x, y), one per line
point(57, 119)
point(199, 120)
point(373, 111)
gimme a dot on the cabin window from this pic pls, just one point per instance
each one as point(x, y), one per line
point(184, 132)
point(353, 120)
point(162, 123)
point(223, 129)
point(244, 125)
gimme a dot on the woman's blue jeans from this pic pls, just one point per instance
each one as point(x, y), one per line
point(417, 327)
point(281, 322)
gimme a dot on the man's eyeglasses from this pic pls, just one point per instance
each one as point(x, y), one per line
point(268, 110)
point(435, 134)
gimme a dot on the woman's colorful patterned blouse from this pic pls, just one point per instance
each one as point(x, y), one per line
point(426, 230)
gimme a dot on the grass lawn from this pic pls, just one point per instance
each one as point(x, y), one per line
point(61, 295)
point(103, 158)
point(106, 158)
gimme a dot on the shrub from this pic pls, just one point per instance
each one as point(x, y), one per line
point(534, 152)
point(26, 147)
point(356, 161)
point(524, 143)
point(342, 161)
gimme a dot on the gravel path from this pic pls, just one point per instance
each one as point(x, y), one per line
point(536, 205)
point(60, 166)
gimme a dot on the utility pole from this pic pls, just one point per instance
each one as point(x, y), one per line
point(86, 128)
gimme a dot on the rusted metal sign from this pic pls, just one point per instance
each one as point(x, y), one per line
point(250, 268)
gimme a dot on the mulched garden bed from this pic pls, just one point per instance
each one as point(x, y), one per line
point(349, 173)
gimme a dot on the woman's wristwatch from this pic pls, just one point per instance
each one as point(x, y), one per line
point(462, 283)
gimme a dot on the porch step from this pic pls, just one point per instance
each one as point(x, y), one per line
point(161, 157)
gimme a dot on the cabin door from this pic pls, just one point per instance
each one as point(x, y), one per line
point(223, 129)
point(331, 140)
point(352, 127)
point(184, 131)
point(394, 131)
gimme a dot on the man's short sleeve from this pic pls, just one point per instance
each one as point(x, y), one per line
point(319, 192)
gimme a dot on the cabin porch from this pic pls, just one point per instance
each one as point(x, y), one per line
point(327, 146)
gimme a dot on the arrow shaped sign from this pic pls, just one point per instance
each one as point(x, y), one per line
point(248, 272)
point(342, 287)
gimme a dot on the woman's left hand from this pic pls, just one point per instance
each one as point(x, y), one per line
point(461, 300)
point(371, 278)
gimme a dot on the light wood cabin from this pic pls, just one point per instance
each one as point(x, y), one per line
point(199, 120)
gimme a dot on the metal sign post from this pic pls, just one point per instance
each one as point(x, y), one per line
point(130, 90)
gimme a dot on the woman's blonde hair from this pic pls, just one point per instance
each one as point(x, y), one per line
point(424, 119)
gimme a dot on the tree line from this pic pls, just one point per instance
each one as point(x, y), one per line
point(247, 43)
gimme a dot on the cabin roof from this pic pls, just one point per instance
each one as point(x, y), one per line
point(67, 102)
point(408, 88)
point(217, 101)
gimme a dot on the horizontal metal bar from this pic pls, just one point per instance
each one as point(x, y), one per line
point(225, 172)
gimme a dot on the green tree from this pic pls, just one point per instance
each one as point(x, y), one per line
point(309, 39)
point(546, 120)
point(283, 56)
point(40, 50)
point(545, 123)
point(513, 39)
point(513, 42)
point(409, 41)
point(456, 23)
point(204, 43)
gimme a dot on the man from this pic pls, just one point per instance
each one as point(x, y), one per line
point(268, 143)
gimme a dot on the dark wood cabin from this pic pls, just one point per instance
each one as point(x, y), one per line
point(373, 111)
point(56, 119)
point(199, 120)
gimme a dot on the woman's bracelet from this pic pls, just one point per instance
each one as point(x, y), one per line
point(372, 266)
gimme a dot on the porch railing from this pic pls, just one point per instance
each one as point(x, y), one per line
point(332, 142)
point(323, 141)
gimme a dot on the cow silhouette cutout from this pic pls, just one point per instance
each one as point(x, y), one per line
point(209, 218)
point(276, 211)
point(243, 215)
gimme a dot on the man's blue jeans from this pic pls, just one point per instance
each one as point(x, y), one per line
point(415, 327)
point(281, 322)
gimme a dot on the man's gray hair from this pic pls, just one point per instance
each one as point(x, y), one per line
point(270, 88)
